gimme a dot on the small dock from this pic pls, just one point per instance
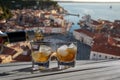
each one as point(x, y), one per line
point(84, 70)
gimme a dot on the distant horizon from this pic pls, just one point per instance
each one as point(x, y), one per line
point(88, 0)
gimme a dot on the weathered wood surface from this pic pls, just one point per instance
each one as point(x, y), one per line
point(84, 70)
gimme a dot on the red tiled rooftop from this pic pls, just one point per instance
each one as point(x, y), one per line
point(115, 35)
point(102, 45)
point(55, 14)
point(106, 48)
point(112, 41)
point(99, 38)
point(11, 52)
point(118, 42)
point(47, 13)
point(8, 51)
point(116, 25)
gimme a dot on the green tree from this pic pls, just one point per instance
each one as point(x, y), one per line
point(7, 5)
point(5, 13)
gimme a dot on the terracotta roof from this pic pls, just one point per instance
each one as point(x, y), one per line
point(47, 13)
point(99, 38)
point(112, 41)
point(55, 14)
point(102, 45)
point(115, 24)
point(118, 42)
point(88, 33)
point(107, 49)
point(8, 51)
point(115, 35)
point(23, 57)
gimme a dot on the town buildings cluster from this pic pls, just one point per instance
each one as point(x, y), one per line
point(45, 21)
point(102, 35)
point(50, 21)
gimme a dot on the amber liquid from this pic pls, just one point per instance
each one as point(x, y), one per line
point(69, 57)
point(40, 57)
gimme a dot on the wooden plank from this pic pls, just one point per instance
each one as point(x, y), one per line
point(83, 70)
point(117, 78)
point(20, 65)
point(104, 75)
point(78, 75)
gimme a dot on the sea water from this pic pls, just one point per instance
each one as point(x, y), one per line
point(105, 11)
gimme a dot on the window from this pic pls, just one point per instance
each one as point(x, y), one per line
point(105, 57)
point(99, 55)
point(111, 58)
point(94, 54)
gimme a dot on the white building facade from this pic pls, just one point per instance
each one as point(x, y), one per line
point(84, 37)
point(94, 55)
point(51, 29)
point(104, 48)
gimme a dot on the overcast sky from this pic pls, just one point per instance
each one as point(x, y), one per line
point(92, 0)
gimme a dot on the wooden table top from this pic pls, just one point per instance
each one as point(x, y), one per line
point(84, 70)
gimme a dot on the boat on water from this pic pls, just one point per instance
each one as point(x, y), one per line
point(110, 7)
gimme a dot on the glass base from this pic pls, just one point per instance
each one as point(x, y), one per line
point(41, 66)
point(66, 64)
